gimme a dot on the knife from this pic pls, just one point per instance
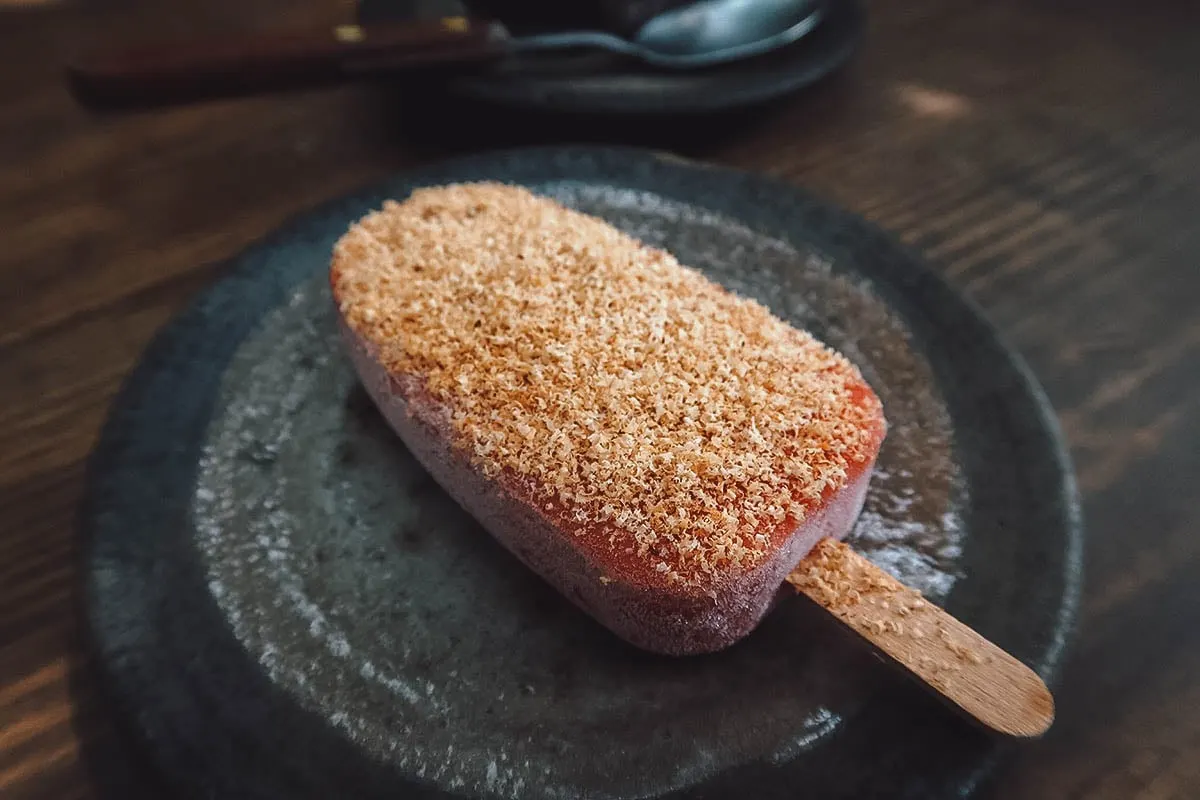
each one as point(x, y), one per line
point(260, 62)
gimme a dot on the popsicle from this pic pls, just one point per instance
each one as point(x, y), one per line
point(659, 449)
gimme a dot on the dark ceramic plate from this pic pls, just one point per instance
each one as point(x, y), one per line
point(603, 84)
point(288, 607)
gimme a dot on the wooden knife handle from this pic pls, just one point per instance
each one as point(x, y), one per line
point(159, 72)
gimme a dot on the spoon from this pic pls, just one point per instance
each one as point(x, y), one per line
point(700, 34)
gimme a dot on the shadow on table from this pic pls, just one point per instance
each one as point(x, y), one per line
point(116, 767)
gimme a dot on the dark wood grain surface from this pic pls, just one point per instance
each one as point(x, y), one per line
point(1045, 155)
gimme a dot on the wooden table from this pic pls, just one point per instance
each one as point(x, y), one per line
point(1045, 154)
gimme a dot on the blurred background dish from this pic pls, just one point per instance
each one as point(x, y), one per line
point(601, 83)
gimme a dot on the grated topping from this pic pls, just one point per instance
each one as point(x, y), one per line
point(622, 393)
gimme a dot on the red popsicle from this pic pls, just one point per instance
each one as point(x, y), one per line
point(659, 449)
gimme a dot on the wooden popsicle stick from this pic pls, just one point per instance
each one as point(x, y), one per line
point(955, 661)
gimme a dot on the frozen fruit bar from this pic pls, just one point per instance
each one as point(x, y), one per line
point(659, 449)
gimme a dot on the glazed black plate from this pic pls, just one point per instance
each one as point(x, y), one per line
point(288, 607)
point(604, 84)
